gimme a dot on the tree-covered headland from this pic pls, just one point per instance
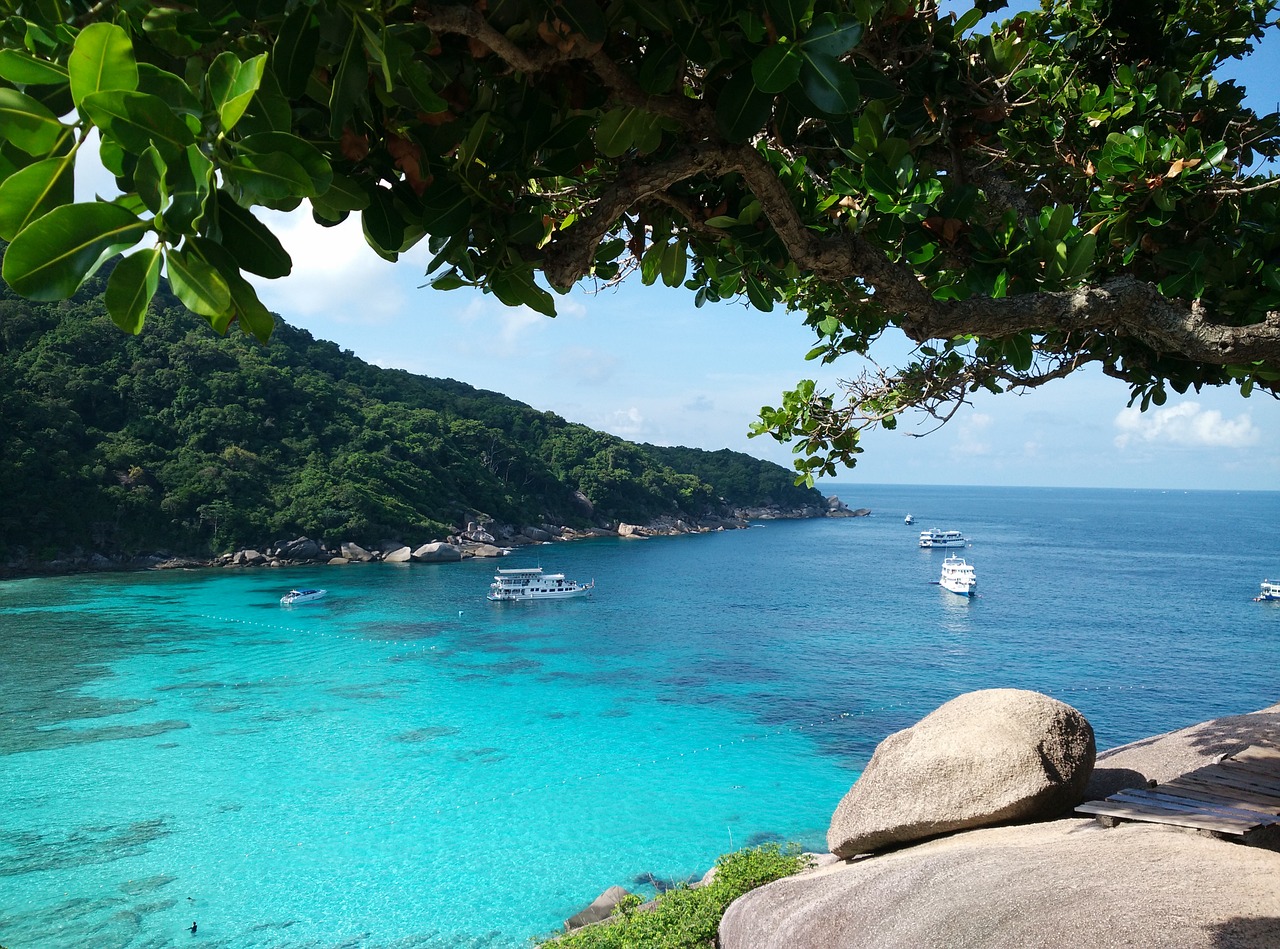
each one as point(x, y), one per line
point(183, 440)
point(1022, 194)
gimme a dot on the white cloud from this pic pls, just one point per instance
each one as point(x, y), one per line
point(626, 423)
point(1185, 425)
point(335, 273)
point(970, 440)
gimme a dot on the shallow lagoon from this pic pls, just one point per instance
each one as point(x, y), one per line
point(405, 765)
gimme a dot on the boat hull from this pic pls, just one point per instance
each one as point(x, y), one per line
point(960, 589)
point(514, 597)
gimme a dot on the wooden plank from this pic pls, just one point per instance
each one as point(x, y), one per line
point(1188, 783)
point(1229, 779)
point(1196, 794)
point(1265, 771)
point(1182, 805)
point(1154, 815)
point(1226, 789)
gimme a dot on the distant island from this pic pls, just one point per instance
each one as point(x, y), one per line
point(180, 444)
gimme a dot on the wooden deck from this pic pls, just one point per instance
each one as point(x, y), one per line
point(1238, 799)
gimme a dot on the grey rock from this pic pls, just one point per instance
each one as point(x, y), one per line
point(601, 908)
point(437, 553)
point(1063, 883)
point(354, 551)
point(983, 758)
point(399, 555)
point(338, 561)
point(536, 534)
point(301, 548)
point(486, 550)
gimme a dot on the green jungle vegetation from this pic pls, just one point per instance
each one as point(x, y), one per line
point(182, 440)
point(686, 918)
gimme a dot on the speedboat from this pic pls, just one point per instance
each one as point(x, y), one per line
point(937, 538)
point(302, 596)
point(530, 583)
point(1270, 591)
point(958, 576)
point(908, 519)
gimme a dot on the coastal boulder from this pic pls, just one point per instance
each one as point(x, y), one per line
point(983, 758)
point(601, 908)
point(537, 535)
point(1066, 882)
point(486, 550)
point(437, 552)
point(302, 548)
point(398, 555)
point(353, 551)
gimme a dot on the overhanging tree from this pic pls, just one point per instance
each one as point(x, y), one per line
point(1069, 186)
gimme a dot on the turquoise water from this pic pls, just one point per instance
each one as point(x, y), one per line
point(405, 765)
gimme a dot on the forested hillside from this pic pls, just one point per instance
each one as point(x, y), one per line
point(184, 440)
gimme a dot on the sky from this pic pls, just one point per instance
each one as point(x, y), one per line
point(644, 364)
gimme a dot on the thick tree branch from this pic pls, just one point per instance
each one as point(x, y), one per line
point(1122, 304)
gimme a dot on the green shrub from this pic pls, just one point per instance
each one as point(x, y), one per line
point(686, 918)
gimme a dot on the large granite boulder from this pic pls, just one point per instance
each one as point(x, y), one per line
point(398, 555)
point(437, 552)
point(354, 552)
point(301, 548)
point(1068, 882)
point(983, 758)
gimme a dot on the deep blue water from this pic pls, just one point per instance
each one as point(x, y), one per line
point(405, 765)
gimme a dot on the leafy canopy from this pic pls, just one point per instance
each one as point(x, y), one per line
point(1069, 186)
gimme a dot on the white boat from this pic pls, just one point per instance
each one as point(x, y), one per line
point(1270, 591)
point(530, 583)
point(937, 538)
point(958, 576)
point(302, 596)
point(908, 519)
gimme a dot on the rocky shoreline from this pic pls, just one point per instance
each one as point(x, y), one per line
point(479, 538)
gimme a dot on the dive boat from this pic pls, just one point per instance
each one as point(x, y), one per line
point(958, 576)
point(301, 596)
point(1270, 591)
point(908, 519)
point(937, 538)
point(530, 583)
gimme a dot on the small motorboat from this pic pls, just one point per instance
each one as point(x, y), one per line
point(908, 519)
point(293, 597)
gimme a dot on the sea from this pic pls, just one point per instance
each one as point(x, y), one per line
point(404, 765)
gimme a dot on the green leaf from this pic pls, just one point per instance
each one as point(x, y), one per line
point(102, 60)
point(130, 288)
point(246, 309)
point(349, 82)
point(615, 132)
point(1019, 352)
point(384, 226)
point(659, 68)
point(261, 179)
point(199, 286)
point(777, 68)
point(760, 298)
point(584, 17)
point(831, 37)
point(51, 256)
point(674, 264)
point(34, 191)
point(722, 220)
point(21, 67)
point(829, 85)
point(1080, 259)
point(742, 109)
point(136, 121)
point(788, 15)
point(28, 124)
point(309, 157)
point(232, 85)
point(189, 179)
point(253, 247)
point(293, 58)
point(447, 207)
point(518, 288)
point(341, 197)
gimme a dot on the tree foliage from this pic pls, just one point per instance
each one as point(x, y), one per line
point(1070, 185)
point(175, 439)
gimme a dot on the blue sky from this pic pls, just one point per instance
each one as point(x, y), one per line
point(644, 364)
